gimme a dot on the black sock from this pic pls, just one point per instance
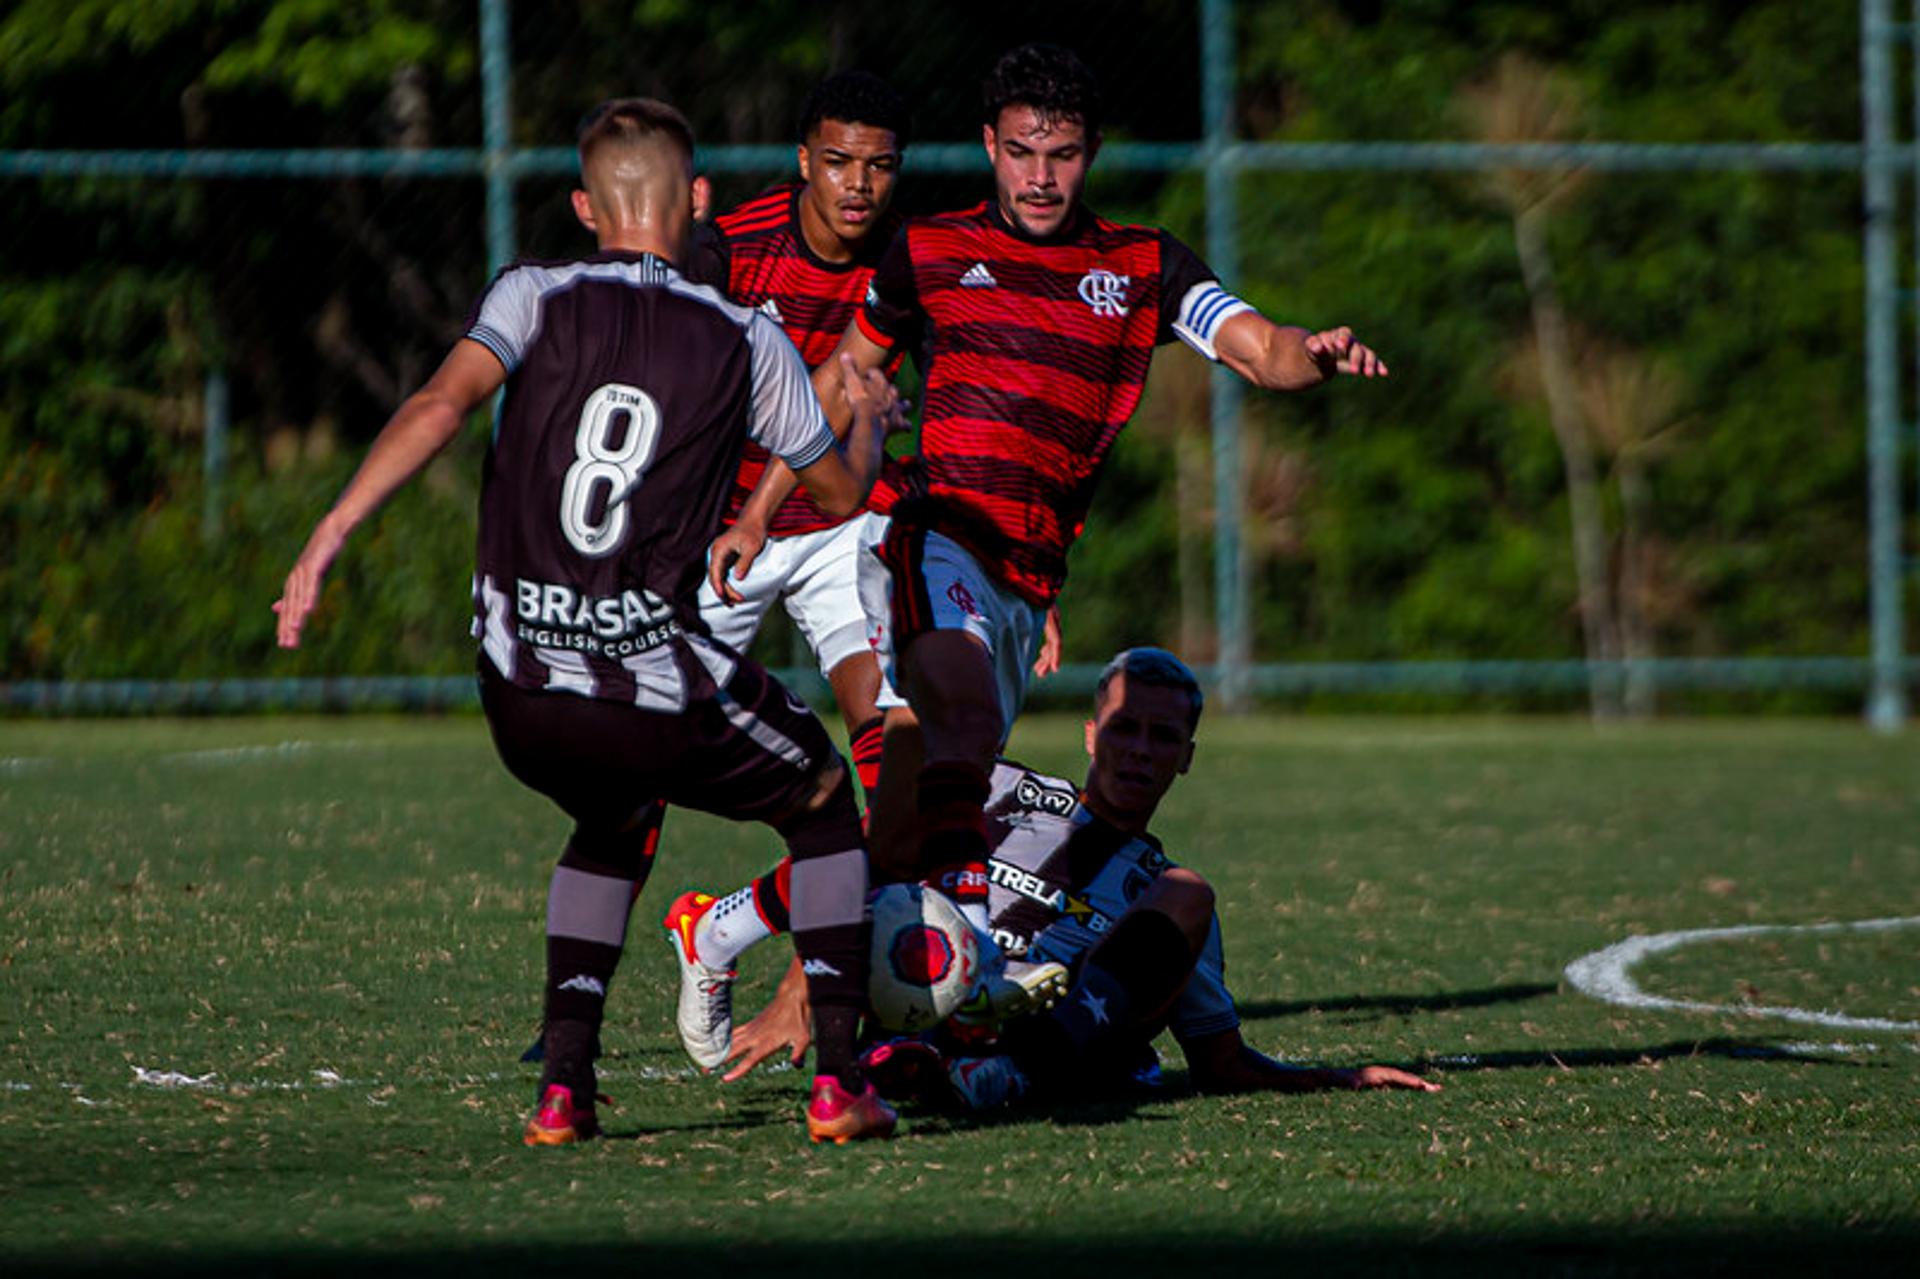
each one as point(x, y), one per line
point(588, 904)
point(834, 1028)
point(828, 892)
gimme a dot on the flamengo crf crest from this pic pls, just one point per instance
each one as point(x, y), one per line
point(1105, 292)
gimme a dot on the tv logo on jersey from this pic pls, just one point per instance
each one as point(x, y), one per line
point(1031, 794)
point(1105, 292)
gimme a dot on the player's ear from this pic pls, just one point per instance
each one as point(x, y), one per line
point(990, 139)
point(1186, 761)
point(702, 191)
point(1090, 735)
point(804, 160)
point(583, 209)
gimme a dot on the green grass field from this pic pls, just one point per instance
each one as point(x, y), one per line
point(332, 929)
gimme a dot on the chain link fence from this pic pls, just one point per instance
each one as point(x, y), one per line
point(233, 236)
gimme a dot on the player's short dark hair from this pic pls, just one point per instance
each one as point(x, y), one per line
point(857, 97)
point(632, 120)
point(1050, 79)
point(1155, 668)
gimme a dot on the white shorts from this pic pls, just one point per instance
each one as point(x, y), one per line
point(815, 576)
point(953, 594)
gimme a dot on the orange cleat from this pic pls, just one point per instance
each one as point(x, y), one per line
point(559, 1122)
point(837, 1116)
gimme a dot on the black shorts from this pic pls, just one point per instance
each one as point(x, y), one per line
point(750, 750)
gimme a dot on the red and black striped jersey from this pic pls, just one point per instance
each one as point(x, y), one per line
point(759, 257)
point(1038, 356)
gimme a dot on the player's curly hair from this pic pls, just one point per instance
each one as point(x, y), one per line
point(1155, 668)
point(857, 97)
point(1050, 79)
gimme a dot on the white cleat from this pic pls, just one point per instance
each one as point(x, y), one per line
point(1014, 989)
point(705, 1015)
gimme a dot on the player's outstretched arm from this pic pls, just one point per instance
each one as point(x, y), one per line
point(785, 1023)
point(1282, 357)
point(419, 429)
point(1223, 1063)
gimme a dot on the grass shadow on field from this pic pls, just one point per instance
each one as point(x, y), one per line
point(1647, 1055)
point(1395, 1005)
point(1687, 1249)
point(745, 1120)
point(1100, 1113)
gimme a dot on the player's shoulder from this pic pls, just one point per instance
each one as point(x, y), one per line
point(1017, 790)
point(970, 220)
point(535, 271)
point(532, 282)
point(1112, 234)
point(1146, 852)
point(769, 213)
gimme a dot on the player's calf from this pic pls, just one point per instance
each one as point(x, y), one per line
point(830, 930)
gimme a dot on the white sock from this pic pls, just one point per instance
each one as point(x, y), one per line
point(976, 914)
point(727, 930)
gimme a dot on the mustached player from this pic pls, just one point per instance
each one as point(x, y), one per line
point(1040, 318)
point(629, 395)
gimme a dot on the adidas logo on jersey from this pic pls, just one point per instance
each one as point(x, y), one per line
point(978, 277)
point(771, 310)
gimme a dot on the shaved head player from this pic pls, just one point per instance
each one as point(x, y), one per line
point(629, 395)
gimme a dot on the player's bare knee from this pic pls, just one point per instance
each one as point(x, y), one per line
point(831, 777)
point(1185, 897)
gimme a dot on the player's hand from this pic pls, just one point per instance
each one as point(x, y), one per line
point(302, 590)
point(731, 556)
point(786, 1022)
point(1048, 660)
point(1335, 351)
point(1388, 1077)
point(872, 394)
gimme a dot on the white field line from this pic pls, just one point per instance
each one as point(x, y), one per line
point(1795, 1048)
point(1606, 974)
point(18, 765)
point(323, 1080)
point(247, 754)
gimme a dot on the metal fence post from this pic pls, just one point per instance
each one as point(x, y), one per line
point(496, 89)
point(1230, 576)
point(1886, 700)
point(215, 415)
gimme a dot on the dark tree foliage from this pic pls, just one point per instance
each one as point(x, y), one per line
point(1421, 518)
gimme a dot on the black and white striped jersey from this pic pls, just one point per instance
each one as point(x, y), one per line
point(1059, 878)
point(629, 397)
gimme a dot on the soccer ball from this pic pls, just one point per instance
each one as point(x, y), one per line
point(925, 957)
